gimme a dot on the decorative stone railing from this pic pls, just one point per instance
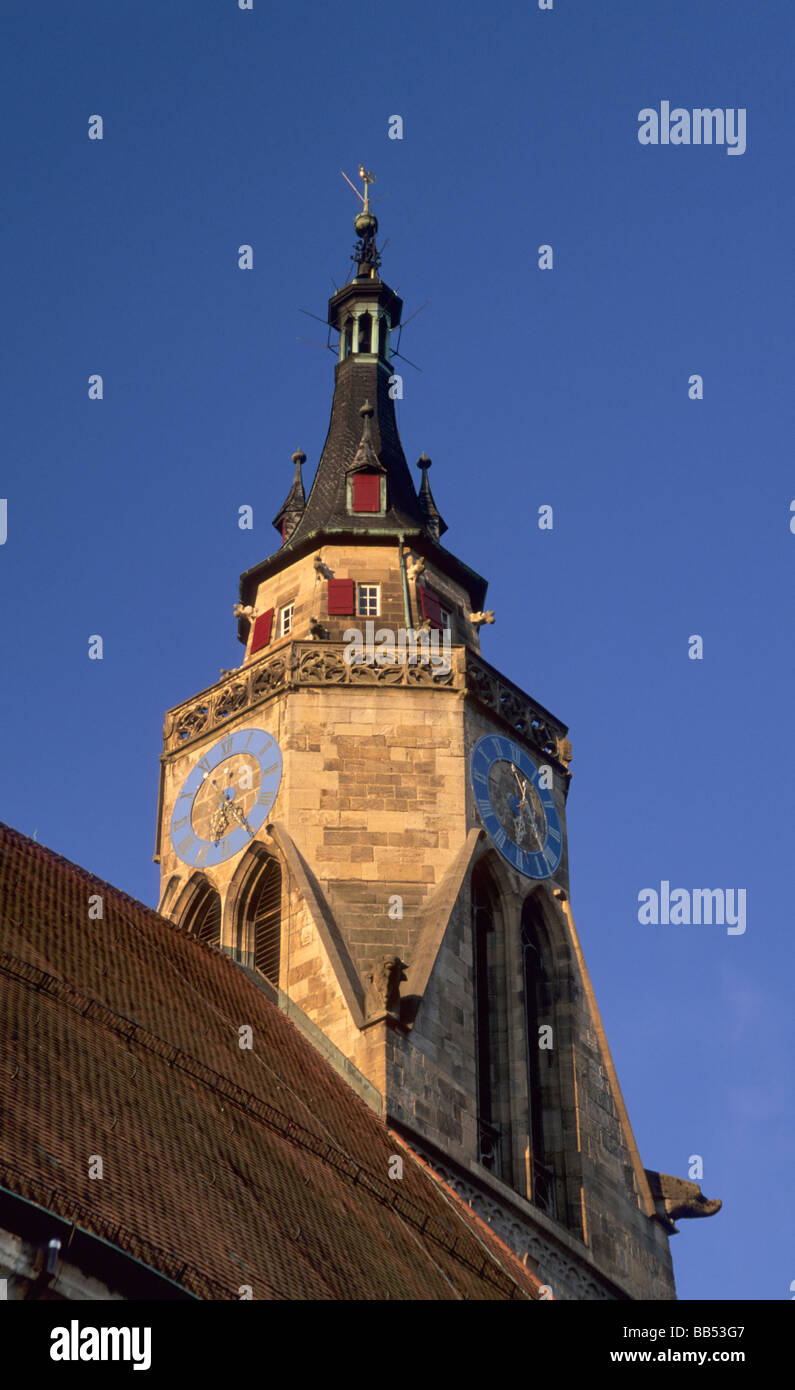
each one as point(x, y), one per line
point(302, 664)
point(294, 666)
point(517, 710)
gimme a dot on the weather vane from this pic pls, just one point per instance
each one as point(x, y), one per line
point(369, 177)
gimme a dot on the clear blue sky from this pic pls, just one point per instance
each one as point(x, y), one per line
point(567, 388)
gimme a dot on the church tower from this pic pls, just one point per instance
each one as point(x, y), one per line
point(371, 819)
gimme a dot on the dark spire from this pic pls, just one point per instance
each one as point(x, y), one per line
point(294, 505)
point(364, 312)
point(434, 521)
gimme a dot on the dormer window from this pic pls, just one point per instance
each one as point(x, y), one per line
point(368, 492)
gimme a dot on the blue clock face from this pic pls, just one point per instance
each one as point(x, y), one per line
point(226, 798)
point(516, 806)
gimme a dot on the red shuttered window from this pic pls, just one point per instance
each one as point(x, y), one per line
point(262, 631)
point(431, 608)
point(366, 492)
point(340, 598)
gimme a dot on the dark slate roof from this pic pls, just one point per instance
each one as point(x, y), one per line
point(222, 1167)
point(358, 381)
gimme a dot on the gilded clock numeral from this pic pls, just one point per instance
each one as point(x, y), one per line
point(186, 845)
point(553, 835)
point(201, 857)
point(227, 744)
point(179, 824)
point(516, 754)
point(265, 748)
point(266, 772)
point(225, 847)
point(265, 799)
point(480, 777)
point(500, 838)
point(204, 764)
point(483, 806)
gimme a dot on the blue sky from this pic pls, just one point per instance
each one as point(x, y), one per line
point(567, 387)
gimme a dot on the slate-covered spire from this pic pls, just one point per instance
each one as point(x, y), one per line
point(294, 505)
point(434, 521)
point(364, 312)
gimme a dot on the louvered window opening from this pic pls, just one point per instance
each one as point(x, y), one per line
point(204, 916)
point(264, 922)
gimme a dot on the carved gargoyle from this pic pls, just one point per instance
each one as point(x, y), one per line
point(385, 979)
point(478, 619)
point(322, 568)
point(316, 629)
point(676, 1198)
point(415, 567)
point(241, 610)
point(563, 750)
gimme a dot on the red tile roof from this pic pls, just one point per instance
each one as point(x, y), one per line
point(222, 1167)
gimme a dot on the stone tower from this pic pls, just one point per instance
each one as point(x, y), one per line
point(372, 819)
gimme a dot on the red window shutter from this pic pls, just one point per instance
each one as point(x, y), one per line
point(262, 631)
point(340, 598)
point(430, 607)
point(366, 492)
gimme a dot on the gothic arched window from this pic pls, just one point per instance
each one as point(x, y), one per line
point(203, 917)
point(491, 1031)
point(260, 922)
point(535, 979)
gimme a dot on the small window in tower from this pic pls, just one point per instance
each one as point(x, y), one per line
point(347, 337)
point(286, 619)
point(366, 492)
point(383, 333)
point(261, 635)
point(431, 607)
point(367, 600)
point(365, 333)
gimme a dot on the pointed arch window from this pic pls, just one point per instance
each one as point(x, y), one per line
point(491, 1033)
point(203, 917)
point(260, 924)
point(535, 979)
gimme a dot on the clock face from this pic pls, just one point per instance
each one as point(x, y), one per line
point(515, 807)
point(226, 797)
